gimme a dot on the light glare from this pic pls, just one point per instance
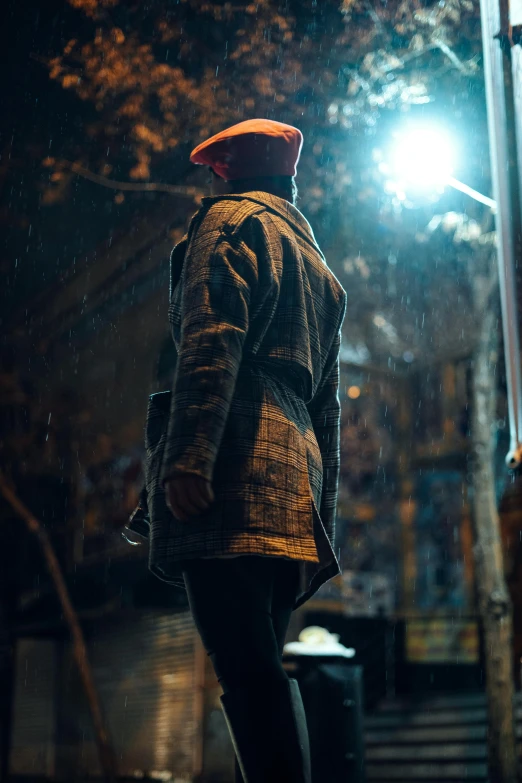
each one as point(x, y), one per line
point(422, 157)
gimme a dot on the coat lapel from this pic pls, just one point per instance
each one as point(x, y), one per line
point(176, 263)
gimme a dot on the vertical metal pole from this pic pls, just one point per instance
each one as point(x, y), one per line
point(515, 20)
point(505, 181)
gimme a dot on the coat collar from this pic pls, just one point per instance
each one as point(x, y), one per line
point(279, 206)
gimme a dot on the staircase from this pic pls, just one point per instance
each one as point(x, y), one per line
point(441, 739)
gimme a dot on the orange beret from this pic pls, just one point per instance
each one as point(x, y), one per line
point(255, 148)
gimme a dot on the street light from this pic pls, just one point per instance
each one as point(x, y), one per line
point(421, 160)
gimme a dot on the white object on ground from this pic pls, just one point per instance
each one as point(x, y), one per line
point(315, 640)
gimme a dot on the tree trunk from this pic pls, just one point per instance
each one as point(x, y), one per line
point(105, 749)
point(494, 604)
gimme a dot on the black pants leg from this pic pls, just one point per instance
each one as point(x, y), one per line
point(241, 608)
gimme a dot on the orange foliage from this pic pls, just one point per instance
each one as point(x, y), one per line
point(203, 65)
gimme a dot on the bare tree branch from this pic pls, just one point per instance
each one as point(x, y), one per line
point(160, 187)
point(105, 748)
point(450, 54)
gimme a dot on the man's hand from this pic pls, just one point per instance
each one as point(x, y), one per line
point(188, 495)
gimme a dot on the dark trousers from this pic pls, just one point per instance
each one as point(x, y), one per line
point(241, 608)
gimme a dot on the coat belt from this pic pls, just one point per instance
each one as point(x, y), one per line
point(286, 377)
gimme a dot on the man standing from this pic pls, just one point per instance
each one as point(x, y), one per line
point(242, 486)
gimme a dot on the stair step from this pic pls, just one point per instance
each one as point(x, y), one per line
point(414, 735)
point(425, 718)
point(442, 773)
point(432, 739)
point(450, 701)
point(468, 779)
point(448, 752)
point(428, 735)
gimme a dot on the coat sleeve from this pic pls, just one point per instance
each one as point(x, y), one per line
point(218, 280)
point(325, 414)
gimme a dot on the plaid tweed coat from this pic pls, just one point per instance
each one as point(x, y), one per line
point(256, 316)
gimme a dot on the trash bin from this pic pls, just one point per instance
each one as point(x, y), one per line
point(332, 692)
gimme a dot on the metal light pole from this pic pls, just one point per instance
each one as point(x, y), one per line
point(455, 183)
point(497, 38)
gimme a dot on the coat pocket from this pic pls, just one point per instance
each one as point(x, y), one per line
point(158, 411)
